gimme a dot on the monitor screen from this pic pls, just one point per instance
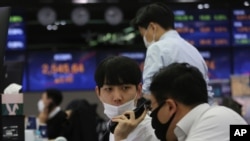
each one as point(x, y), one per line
point(221, 87)
point(13, 72)
point(138, 56)
point(203, 28)
point(242, 61)
point(4, 22)
point(13, 128)
point(241, 27)
point(62, 70)
point(218, 63)
point(16, 39)
point(15, 57)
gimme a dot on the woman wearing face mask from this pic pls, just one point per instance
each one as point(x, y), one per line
point(118, 87)
point(164, 45)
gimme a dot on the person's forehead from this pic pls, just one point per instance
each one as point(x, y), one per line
point(120, 85)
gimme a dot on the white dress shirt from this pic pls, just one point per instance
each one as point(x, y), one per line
point(207, 123)
point(169, 49)
point(143, 132)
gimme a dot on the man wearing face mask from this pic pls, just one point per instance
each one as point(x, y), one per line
point(180, 109)
point(164, 45)
point(51, 113)
point(118, 87)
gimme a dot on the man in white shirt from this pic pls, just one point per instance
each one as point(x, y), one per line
point(164, 45)
point(118, 81)
point(180, 109)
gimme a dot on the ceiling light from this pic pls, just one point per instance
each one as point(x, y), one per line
point(200, 6)
point(246, 3)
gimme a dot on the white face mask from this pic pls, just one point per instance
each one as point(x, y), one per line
point(112, 111)
point(40, 105)
point(147, 44)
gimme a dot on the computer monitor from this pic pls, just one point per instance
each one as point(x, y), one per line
point(4, 22)
point(13, 72)
point(67, 71)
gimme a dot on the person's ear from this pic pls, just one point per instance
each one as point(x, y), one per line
point(139, 90)
point(152, 25)
point(172, 107)
point(97, 91)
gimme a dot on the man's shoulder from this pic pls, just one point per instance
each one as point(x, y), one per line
point(60, 115)
point(214, 123)
point(222, 114)
point(160, 46)
point(168, 43)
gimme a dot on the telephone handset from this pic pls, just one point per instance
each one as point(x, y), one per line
point(138, 112)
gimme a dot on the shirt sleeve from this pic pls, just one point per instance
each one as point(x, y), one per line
point(153, 62)
point(143, 132)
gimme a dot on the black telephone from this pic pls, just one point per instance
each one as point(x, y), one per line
point(138, 111)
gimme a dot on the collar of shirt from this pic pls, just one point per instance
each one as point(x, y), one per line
point(169, 34)
point(54, 112)
point(185, 124)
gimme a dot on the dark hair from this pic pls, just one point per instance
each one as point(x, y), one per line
point(156, 12)
point(81, 104)
point(55, 95)
point(182, 82)
point(117, 70)
point(82, 122)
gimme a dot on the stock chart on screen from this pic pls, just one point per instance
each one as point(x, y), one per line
point(218, 63)
point(219, 70)
point(203, 28)
point(138, 56)
point(16, 39)
point(241, 61)
point(66, 71)
point(241, 27)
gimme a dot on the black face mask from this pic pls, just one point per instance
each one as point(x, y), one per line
point(160, 129)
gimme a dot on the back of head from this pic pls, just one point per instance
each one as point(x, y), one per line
point(55, 95)
point(82, 121)
point(156, 12)
point(182, 82)
point(81, 105)
point(117, 70)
